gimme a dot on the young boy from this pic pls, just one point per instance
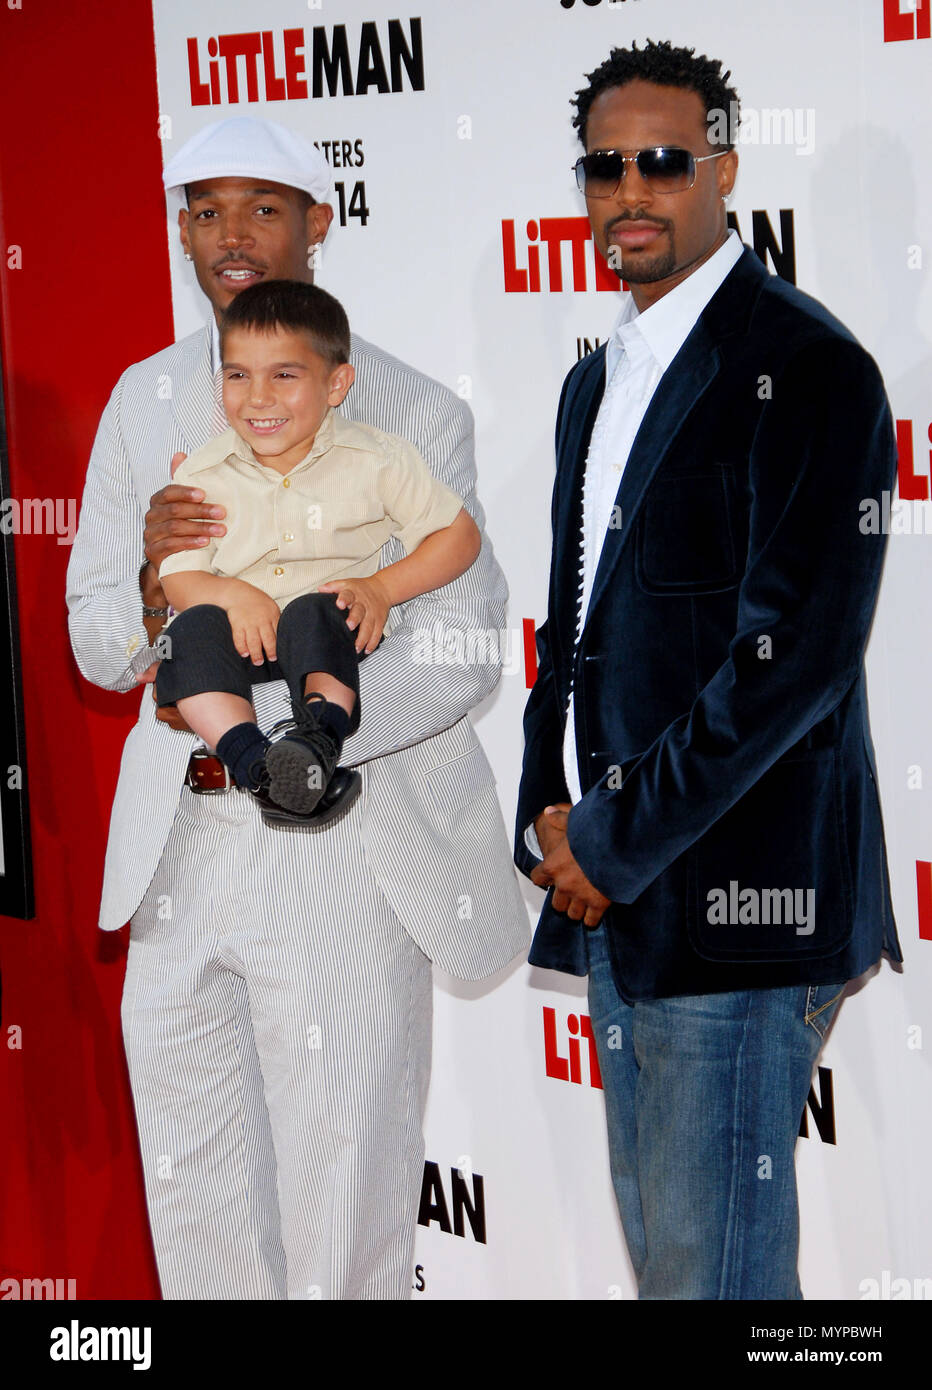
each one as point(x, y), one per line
point(310, 499)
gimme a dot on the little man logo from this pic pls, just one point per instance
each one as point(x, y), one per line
point(555, 232)
point(586, 345)
point(465, 1204)
point(290, 57)
point(568, 1068)
point(822, 1108)
point(764, 241)
point(530, 651)
point(766, 907)
point(522, 273)
point(924, 898)
point(912, 486)
point(906, 19)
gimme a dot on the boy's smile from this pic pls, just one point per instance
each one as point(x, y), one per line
point(277, 390)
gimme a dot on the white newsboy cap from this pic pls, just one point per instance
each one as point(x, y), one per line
point(246, 147)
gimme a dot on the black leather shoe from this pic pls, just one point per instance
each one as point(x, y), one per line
point(301, 763)
point(308, 745)
point(342, 790)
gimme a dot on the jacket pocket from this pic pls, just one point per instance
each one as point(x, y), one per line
point(686, 533)
point(770, 880)
point(454, 785)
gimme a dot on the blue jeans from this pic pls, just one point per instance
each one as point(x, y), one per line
point(703, 1099)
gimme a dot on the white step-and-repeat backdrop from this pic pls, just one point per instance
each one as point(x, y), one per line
point(448, 129)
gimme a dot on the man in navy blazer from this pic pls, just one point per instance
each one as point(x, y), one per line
point(699, 788)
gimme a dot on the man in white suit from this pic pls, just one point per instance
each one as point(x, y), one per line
point(278, 1037)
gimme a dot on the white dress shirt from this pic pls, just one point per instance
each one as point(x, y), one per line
point(640, 350)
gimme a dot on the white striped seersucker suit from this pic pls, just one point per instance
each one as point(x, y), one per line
point(277, 1001)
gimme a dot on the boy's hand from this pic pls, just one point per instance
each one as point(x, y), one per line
point(254, 620)
point(368, 608)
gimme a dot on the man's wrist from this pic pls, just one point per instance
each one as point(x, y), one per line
point(153, 595)
point(570, 826)
point(154, 602)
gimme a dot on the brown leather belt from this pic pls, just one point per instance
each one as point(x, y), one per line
point(207, 774)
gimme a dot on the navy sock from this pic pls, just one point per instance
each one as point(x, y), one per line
point(332, 718)
point(240, 748)
point(336, 721)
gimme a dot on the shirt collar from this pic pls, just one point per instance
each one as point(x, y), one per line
point(666, 325)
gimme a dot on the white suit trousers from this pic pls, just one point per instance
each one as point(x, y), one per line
point(277, 1023)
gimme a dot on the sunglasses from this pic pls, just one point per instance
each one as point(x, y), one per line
point(664, 168)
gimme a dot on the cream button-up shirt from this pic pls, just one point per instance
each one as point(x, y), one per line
point(326, 519)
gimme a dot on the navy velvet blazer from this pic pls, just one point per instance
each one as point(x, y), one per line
point(722, 727)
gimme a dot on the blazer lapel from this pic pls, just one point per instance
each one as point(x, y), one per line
point(193, 389)
point(689, 375)
point(687, 378)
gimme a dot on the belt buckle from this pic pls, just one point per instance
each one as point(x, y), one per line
point(203, 754)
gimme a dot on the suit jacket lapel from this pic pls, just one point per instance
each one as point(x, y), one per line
point(689, 375)
point(193, 389)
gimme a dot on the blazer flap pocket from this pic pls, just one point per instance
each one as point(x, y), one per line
point(769, 881)
point(457, 783)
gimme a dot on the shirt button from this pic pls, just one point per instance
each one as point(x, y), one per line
point(286, 482)
point(278, 570)
point(289, 536)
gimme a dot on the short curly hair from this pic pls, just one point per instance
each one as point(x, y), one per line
point(666, 66)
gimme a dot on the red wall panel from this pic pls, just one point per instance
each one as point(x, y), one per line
point(80, 194)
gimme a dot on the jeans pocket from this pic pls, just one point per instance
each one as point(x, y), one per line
point(821, 1005)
